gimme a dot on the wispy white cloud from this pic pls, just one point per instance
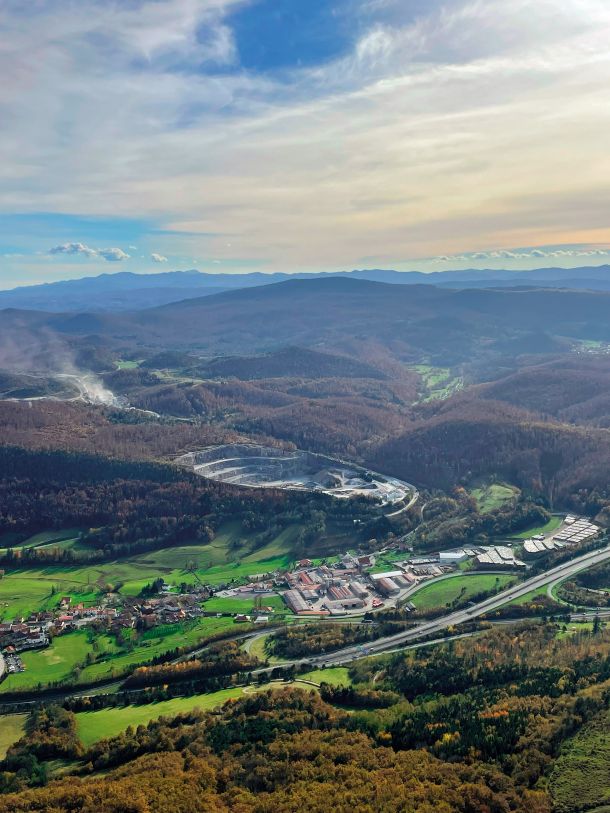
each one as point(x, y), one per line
point(525, 254)
point(469, 124)
point(158, 258)
point(111, 255)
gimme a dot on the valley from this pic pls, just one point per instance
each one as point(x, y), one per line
point(222, 527)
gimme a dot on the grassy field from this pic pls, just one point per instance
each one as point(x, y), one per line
point(438, 382)
point(575, 628)
point(230, 556)
point(42, 539)
point(66, 657)
point(230, 604)
point(11, 728)
point(581, 775)
point(335, 676)
point(531, 596)
point(551, 525)
point(387, 561)
point(55, 663)
point(156, 642)
point(445, 591)
point(25, 591)
point(494, 495)
point(105, 723)
point(127, 365)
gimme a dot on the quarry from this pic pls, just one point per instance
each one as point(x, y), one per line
point(256, 466)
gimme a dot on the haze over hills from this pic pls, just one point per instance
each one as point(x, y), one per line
point(367, 320)
point(126, 291)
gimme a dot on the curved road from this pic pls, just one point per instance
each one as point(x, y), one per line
point(352, 653)
point(402, 640)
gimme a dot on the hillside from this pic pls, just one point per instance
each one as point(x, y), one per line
point(573, 389)
point(450, 326)
point(296, 362)
point(466, 439)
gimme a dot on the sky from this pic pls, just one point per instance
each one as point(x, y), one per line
point(302, 135)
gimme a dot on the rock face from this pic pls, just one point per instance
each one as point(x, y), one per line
point(259, 466)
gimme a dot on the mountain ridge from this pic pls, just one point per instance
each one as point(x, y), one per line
point(126, 290)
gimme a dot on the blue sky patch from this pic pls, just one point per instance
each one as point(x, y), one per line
point(274, 35)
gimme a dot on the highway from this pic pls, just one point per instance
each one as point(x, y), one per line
point(453, 619)
point(402, 640)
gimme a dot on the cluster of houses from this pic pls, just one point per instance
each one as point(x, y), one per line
point(16, 637)
point(38, 629)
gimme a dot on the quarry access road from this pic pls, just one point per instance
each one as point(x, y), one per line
point(457, 617)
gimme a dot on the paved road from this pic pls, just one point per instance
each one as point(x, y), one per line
point(408, 638)
point(427, 628)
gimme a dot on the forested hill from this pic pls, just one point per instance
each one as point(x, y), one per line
point(465, 439)
point(448, 324)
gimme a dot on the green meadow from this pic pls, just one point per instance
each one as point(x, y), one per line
point(93, 726)
point(230, 557)
point(493, 496)
point(531, 596)
point(230, 604)
point(84, 658)
point(551, 525)
point(334, 675)
point(12, 727)
point(154, 643)
point(581, 775)
point(444, 591)
point(438, 382)
point(53, 664)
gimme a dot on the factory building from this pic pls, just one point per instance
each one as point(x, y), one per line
point(295, 601)
point(387, 586)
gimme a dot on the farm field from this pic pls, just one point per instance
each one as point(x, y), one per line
point(494, 495)
point(11, 728)
point(445, 591)
point(68, 656)
point(106, 723)
point(25, 591)
point(40, 539)
point(50, 665)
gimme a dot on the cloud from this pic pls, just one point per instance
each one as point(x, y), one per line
point(158, 258)
point(525, 254)
point(73, 248)
point(111, 255)
point(463, 123)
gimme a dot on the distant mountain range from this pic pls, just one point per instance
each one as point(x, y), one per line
point(126, 291)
